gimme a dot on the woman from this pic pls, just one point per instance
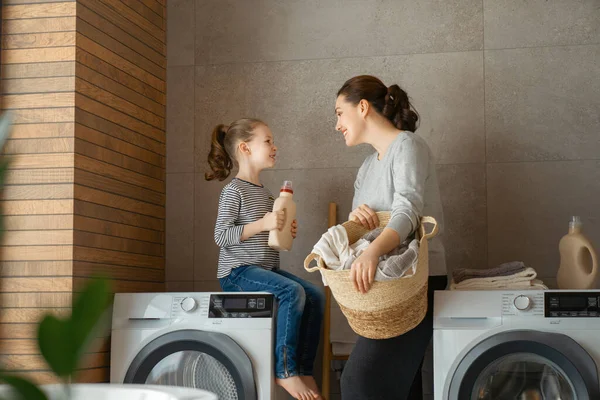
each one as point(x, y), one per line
point(399, 177)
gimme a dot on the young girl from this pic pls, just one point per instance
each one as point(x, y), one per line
point(248, 264)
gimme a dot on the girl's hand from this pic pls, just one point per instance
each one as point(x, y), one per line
point(273, 220)
point(363, 270)
point(294, 228)
point(365, 216)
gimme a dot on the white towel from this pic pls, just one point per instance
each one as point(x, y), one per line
point(521, 280)
point(333, 248)
point(535, 284)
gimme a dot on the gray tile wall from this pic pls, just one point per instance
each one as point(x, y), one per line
point(508, 92)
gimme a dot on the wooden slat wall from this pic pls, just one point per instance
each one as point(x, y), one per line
point(119, 145)
point(86, 81)
point(38, 82)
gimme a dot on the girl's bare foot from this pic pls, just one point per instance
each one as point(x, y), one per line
point(296, 387)
point(312, 385)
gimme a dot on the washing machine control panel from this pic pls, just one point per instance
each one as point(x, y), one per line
point(243, 305)
point(564, 304)
point(523, 304)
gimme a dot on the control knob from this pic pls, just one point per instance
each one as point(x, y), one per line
point(188, 304)
point(522, 303)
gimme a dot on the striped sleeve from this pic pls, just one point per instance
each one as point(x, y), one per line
point(227, 233)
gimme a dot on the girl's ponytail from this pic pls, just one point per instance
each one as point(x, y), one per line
point(224, 143)
point(220, 162)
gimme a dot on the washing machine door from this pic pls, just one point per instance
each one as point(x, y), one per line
point(525, 365)
point(190, 358)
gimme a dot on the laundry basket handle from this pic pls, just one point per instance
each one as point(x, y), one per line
point(434, 231)
point(309, 259)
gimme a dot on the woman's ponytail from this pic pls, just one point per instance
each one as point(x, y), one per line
point(398, 109)
point(391, 102)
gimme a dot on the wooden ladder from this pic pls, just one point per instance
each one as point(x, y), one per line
point(328, 355)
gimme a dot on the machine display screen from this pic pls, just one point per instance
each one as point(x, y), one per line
point(241, 305)
point(575, 304)
point(572, 302)
point(236, 303)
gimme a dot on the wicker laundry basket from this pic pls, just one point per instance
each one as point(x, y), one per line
point(389, 308)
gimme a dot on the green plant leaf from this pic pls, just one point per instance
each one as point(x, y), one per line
point(63, 342)
point(90, 313)
point(24, 389)
point(56, 345)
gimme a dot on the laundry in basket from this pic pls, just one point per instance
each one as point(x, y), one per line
point(389, 308)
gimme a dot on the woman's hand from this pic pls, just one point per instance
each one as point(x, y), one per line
point(273, 220)
point(365, 216)
point(294, 228)
point(363, 270)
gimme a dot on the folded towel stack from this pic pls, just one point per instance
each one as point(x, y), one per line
point(512, 275)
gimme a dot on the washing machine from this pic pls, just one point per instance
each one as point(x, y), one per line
point(530, 345)
point(219, 342)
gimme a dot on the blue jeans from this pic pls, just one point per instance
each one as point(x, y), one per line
point(299, 314)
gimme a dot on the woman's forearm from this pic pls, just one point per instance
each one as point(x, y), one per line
point(386, 242)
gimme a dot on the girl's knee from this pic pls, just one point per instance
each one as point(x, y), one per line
point(296, 294)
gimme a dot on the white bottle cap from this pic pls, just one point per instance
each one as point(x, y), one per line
point(575, 222)
point(287, 187)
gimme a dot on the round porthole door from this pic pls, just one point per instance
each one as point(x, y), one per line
point(525, 365)
point(210, 361)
